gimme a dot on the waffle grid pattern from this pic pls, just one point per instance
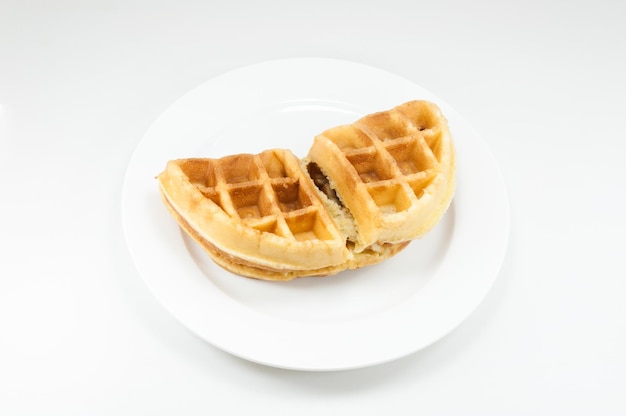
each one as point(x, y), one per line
point(265, 192)
point(394, 154)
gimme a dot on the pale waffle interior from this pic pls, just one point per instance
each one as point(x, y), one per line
point(394, 170)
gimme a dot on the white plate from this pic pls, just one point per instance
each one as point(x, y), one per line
point(355, 319)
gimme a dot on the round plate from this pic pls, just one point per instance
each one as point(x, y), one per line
point(351, 320)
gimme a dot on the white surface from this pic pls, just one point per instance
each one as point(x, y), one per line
point(80, 83)
point(354, 320)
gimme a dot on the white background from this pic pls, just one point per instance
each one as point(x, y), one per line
point(80, 83)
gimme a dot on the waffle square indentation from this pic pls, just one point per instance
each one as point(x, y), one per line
point(370, 167)
point(273, 165)
point(412, 156)
point(250, 201)
point(307, 225)
point(419, 183)
point(390, 198)
point(199, 171)
point(265, 225)
point(420, 115)
point(387, 125)
point(289, 196)
point(239, 168)
point(348, 138)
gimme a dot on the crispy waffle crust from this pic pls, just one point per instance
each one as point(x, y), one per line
point(360, 196)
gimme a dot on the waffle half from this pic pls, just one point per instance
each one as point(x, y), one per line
point(394, 171)
point(360, 196)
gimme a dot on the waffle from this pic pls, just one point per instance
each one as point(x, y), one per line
point(259, 216)
point(362, 193)
point(393, 171)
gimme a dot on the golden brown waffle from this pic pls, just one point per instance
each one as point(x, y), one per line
point(261, 210)
point(393, 170)
point(362, 194)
